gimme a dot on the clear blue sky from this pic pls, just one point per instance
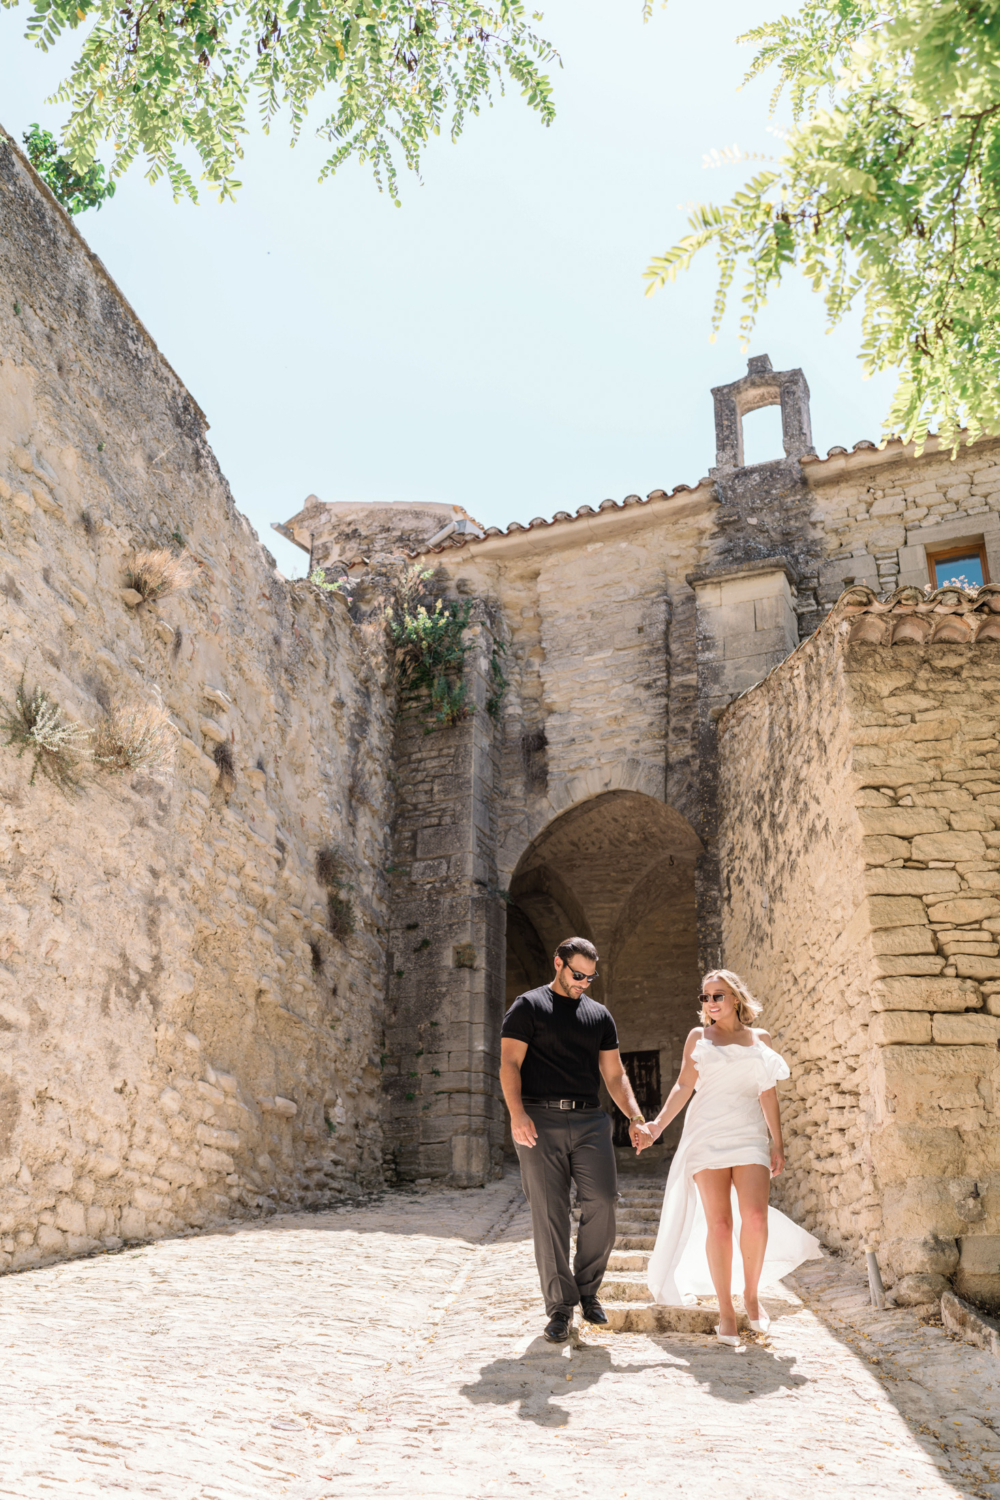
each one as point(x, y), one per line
point(487, 344)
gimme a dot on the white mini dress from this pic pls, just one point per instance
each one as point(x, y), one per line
point(724, 1127)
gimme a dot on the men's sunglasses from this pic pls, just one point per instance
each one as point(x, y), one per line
point(583, 978)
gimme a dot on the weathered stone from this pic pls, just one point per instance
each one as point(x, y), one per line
point(898, 882)
point(925, 994)
point(900, 1026)
point(894, 911)
point(949, 846)
point(904, 1152)
point(902, 822)
point(961, 1030)
point(900, 939)
point(918, 1289)
point(977, 968)
point(961, 911)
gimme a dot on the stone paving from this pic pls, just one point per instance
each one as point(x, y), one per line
point(395, 1349)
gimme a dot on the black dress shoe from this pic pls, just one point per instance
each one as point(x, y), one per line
point(592, 1310)
point(557, 1328)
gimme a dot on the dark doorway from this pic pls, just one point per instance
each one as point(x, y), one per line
point(643, 1069)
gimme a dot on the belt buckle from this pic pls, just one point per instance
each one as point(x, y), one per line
point(567, 1104)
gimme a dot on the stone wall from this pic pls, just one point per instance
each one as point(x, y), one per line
point(182, 1036)
point(878, 512)
point(445, 998)
point(861, 901)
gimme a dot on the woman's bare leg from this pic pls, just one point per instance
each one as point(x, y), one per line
point(715, 1187)
point(753, 1187)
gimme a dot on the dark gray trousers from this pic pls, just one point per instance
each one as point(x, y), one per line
point(573, 1145)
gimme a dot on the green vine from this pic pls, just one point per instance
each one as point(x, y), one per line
point(430, 657)
point(498, 680)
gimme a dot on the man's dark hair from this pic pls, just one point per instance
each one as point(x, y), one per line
point(570, 946)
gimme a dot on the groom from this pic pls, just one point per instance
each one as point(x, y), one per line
point(556, 1046)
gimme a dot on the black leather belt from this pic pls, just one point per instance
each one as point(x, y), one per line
point(562, 1103)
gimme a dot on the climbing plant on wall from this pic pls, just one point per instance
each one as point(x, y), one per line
point(430, 656)
point(76, 191)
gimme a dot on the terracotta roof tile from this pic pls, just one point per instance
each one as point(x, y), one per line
point(913, 616)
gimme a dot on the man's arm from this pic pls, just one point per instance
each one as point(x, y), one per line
point(512, 1055)
point(615, 1077)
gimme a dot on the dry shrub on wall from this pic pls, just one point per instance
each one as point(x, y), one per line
point(134, 736)
point(37, 725)
point(224, 759)
point(155, 572)
point(331, 871)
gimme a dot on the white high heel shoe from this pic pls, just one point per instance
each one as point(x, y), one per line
point(732, 1339)
point(761, 1324)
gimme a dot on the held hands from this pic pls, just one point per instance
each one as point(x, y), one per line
point(644, 1135)
point(777, 1159)
point(523, 1129)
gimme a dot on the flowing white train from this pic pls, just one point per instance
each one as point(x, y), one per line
point(724, 1127)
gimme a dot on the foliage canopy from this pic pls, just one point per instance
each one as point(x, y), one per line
point(888, 191)
point(162, 80)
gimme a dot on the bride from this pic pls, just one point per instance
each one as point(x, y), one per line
point(732, 1070)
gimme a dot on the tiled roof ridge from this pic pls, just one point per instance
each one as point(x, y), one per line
point(562, 517)
point(927, 616)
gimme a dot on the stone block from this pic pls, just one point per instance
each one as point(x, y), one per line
point(963, 910)
point(973, 967)
point(919, 1289)
point(894, 911)
point(133, 1224)
point(951, 845)
point(71, 1216)
point(917, 939)
point(933, 1255)
point(470, 1160)
point(879, 849)
point(925, 994)
point(900, 882)
point(903, 1152)
point(871, 772)
point(900, 1026)
point(50, 1241)
point(902, 822)
point(966, 1030)
point(886, 965)
point(450, 838)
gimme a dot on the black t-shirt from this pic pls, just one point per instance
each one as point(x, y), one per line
point(564, 1038)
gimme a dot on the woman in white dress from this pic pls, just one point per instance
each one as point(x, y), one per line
point(732, 1069)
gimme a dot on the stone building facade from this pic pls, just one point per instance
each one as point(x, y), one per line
point(719, 724)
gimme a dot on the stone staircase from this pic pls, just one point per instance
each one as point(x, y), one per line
point(624, 1294)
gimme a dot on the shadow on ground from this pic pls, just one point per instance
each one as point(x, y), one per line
point(534, 1379)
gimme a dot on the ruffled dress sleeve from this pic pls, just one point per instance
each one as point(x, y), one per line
point(771, 1067)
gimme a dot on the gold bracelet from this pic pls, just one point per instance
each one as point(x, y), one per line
point(637, 1120)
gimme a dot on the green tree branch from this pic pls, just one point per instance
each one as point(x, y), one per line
point(165, 81)
point(889, 193)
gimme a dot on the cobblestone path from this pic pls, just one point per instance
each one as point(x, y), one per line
point(396, 1350)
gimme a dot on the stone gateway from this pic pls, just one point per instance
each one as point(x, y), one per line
point(268, 965)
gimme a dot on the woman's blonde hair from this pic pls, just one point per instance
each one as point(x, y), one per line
point(747, 1008)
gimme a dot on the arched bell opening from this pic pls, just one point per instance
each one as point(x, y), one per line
point(617, 869)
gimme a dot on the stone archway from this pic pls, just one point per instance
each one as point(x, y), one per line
point(617, 869)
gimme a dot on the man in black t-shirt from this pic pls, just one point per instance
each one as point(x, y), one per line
point(556, 1046)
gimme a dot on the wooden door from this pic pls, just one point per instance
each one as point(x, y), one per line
point(643, 1069)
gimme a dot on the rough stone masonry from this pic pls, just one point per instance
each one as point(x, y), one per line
point(277, 971)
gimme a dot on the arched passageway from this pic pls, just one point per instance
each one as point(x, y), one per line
point(619, 870)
